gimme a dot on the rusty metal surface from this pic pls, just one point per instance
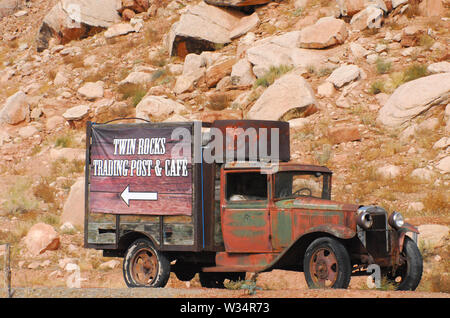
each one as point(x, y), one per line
point(233, 129)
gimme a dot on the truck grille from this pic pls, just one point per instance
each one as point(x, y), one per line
point(377, 237)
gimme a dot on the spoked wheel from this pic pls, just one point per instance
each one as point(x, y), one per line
point(327, 264)
point(323, 266)
point(144, 266)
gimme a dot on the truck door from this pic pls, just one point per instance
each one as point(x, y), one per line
point(245, 212)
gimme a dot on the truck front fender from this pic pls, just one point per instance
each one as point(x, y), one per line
point(337, 230)
point(401, 232)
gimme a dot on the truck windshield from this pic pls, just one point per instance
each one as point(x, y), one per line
point(291, 184)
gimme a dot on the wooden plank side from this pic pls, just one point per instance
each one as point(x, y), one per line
point(171, 151)
point(180, 185)
point(167, 204)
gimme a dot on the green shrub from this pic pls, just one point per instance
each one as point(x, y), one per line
point(383, 66)
point(377, 87)
point(415, 71)
point(19, 200)
point(272, 75)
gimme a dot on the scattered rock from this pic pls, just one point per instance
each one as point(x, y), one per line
point(137, 78)
point(73, 210)
point(67, 227)
point(15, 109)
point(290, 95)
point(324, 33)
point(155, 107)
point(54, 122)
point(433, 234)
point(246, 24)
point(109, 265)
point(242, 74)
point(40, 238)
point(423, 174)
point(411, 35)
point(349, 8)
point(92, 90)
point(298, 123)
point(416, 206)
point(68, 154)
point(339, 135)
point(344, 75)
point(358, 50)
point(28, 131)
point(414, 98)
point(77, 112)
point(270, 53)
point(218, 71)
point(118, 30)
point(396, 3)
point(388, 171)
point(442, 143)
point(326, 90)
point(440, 67)
point(444, 165)
point(369, 18)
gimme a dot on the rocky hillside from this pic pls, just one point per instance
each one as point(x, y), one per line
point(365, 85)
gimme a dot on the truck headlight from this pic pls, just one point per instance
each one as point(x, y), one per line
point(396, 220)
point(364, 220)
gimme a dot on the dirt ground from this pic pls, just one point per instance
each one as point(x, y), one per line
point(274, 284)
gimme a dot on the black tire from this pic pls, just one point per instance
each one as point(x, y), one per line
point(407, 276)
point(216, 280)
point(145, 266)
point(326, 264)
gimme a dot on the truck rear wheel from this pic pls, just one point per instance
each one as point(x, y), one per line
point(145, 266)
point(327, 264)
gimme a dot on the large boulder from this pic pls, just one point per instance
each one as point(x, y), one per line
point(325, 32)
point(92, 90)
point(15, 110)
point(157, 107)
point(369, 18)
point(290, 96)
point(344, 75)
point(282, 50)
point(242, 74)
point(413, 98)
point(73, 210)
point(204, 27)
point(40, 238)
point(76, 19)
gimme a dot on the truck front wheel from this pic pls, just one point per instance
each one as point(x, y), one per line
point(327, 264)
point(408, 275)
point(145, 266)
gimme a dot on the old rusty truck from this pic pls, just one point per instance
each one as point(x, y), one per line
point(223, 199)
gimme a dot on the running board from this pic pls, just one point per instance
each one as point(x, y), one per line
point(232, 269)
point(242, 262)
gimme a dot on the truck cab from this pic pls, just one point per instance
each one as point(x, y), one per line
point(225, 218)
